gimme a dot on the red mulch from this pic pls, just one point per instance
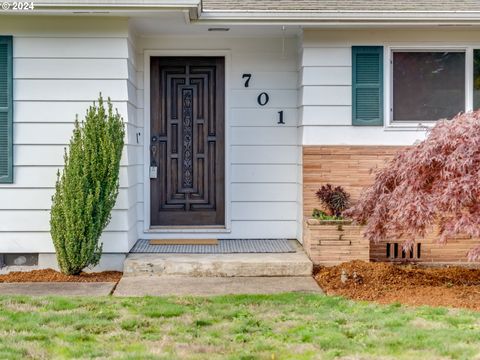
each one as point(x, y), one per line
point(407, 284)
point(49, 275)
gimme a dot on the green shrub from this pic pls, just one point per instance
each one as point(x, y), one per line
point(322, 215)
point(87, 189)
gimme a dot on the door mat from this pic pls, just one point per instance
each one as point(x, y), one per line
point(184, 242)
point(230, 246)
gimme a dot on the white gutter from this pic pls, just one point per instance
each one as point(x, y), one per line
point(116, 3)
point(313, 18)
point(327, 18)
point(120, 7)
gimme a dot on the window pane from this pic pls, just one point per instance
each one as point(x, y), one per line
point(428, 86)
point(476, 79)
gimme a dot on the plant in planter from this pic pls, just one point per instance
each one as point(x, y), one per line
point(87, 189)
point(334, 199)
point(329, 238)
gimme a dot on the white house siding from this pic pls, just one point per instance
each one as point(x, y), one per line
point(135, 155)
point(299, 146)
point(326, 73)
point(261, 155)
point(60, 66)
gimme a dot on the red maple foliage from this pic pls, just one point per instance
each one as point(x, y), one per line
point(433, 183)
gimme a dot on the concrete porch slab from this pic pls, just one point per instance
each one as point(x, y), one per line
point(57, 288)
point(220, 265)
point(210, 286)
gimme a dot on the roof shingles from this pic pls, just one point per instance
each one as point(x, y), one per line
point(341, 5)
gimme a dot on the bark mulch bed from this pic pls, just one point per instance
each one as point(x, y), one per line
point(49, 275)
point(407, 284)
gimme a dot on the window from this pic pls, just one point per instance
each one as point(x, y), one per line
point(6, 110)
point(428, 85)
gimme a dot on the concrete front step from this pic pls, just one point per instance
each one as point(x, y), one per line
point(219, 265)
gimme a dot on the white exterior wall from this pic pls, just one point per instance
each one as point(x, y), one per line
point(135, 154)
point(300, 215)
point(261, 166)
point(326, 79)
point(60, 66)
point(61, 63)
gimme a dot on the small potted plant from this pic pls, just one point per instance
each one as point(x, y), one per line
point(329, 238)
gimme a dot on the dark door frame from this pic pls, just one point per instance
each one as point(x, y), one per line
point(155, 231)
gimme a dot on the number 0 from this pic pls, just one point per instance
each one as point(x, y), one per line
point(263, 99)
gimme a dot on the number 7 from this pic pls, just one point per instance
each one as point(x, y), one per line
point(248, 76)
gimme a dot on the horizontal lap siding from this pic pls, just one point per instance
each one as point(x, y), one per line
point(263, 184)
point(56, 111)
point(268, 135)
point(326, 86)
point(38, 47)
point(36, 220)
point(263, 192)
point(326, 80)
point(42, 177)
point(69, 90)
point(40, 199)
point(56, 76)
point(135, 160)
point(263, 155)
point(28, 68)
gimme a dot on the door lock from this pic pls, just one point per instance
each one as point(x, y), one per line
point(153, 163)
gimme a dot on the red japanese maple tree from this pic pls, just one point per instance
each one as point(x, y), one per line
point(435, 183)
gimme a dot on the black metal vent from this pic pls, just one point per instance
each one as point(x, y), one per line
point(395, 251)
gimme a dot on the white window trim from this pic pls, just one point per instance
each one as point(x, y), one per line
point(389, 124)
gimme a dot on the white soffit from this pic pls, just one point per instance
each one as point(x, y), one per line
point(175, 23)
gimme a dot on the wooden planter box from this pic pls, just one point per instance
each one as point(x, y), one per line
point(331, 242)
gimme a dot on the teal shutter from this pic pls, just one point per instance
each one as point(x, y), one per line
point(6, 109)
point(367, 85)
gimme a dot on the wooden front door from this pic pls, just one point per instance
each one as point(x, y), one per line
point(187, 156)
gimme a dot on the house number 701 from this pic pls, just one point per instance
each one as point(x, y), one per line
point(263, 98)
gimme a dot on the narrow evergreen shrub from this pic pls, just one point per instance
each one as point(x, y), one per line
point(87, 189)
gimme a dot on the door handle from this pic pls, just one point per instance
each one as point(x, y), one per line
point(153, 162)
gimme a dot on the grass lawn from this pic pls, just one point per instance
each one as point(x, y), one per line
point(288, 326)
